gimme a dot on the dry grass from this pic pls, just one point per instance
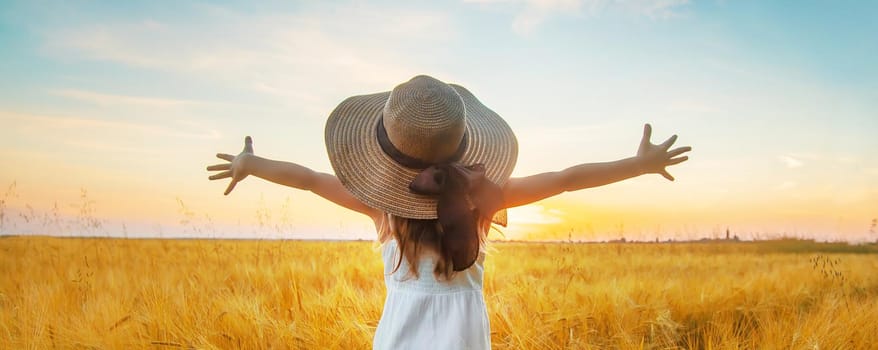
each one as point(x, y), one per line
point(164, 294)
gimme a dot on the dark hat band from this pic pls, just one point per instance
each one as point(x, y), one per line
point(409, 161)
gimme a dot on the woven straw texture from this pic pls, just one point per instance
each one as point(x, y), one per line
point(378, 181)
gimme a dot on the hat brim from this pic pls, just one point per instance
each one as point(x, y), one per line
point(379, 182)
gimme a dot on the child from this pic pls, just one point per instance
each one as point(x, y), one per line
point(430, 165)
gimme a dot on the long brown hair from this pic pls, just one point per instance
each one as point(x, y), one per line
point(415, 236)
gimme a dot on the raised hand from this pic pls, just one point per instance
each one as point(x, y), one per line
point(654, 158)
point(236, 166)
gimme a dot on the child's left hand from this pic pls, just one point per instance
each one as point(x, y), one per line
point(654, 158)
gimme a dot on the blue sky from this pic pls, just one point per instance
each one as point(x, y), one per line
point(131, 100)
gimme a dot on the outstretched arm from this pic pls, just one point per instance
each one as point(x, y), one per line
point(650, 158)
point(288, 174)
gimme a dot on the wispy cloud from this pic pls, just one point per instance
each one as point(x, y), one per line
point(48, 125)
point(790, 161)
point(533, 13)
point(325, 50)
point(537, 11)
point(92, 145)
point(104, 99)
point(655, 9)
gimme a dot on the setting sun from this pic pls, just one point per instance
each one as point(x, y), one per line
point(127, 103)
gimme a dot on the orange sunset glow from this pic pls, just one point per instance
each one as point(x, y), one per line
point(109, 115)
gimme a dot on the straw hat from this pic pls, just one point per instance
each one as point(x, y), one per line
point(378, 143)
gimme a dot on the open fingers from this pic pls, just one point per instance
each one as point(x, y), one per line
point(670, 141)
point(679, 151)
point(677, 160)
point(666, 175)
point(231, 187)
point(221, 175)
point(248, 144)
point(224, 156)
point(218, 167)
point(647, 133)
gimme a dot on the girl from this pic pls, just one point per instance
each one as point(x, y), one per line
point(430, 165)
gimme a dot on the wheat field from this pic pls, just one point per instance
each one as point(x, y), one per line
point(58, 293)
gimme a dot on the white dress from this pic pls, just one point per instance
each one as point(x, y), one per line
point(423, 313)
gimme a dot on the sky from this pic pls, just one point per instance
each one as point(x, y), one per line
point(110, 111)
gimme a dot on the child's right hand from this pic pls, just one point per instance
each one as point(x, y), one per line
point(235, 168)
point(655, 158)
